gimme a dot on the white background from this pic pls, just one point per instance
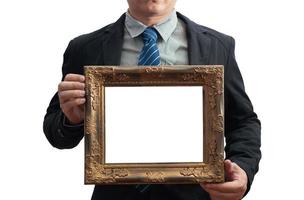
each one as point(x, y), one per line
point(149, 118)
point(34, 34)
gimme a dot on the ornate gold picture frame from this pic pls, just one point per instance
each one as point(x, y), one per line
point(211, 77)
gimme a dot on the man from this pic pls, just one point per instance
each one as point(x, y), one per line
point(179, 41)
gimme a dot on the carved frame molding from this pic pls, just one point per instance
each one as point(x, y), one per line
point(211, 77)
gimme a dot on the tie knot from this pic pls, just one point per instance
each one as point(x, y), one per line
point(149, 34)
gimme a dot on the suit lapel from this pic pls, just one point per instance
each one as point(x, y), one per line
point(112, 44)
point(198, 42)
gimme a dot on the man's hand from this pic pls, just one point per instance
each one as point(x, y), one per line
point(233, 189)
point(71, 97)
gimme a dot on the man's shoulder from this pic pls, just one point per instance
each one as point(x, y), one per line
point(214, 35)
point(94, 36)
point(98, 36)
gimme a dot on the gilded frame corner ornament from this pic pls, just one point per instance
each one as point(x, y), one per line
point(211, 77)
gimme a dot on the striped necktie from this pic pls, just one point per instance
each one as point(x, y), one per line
point(149, 55)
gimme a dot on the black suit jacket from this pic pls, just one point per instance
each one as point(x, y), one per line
point(205, 46)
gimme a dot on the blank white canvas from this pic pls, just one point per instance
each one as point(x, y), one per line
point(154, 124)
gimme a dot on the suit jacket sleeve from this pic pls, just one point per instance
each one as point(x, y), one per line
point(58, 133)
point(242, 127)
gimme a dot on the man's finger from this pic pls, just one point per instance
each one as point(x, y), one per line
point(70, 94)
point(228, 165)
point(74, 77)
point(72, 103)
point(228, 170)
point(227, 187)
point(66, 85)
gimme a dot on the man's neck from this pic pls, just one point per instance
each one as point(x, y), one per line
point(150, 20)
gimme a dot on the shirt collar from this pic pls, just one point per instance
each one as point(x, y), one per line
point(164, 28)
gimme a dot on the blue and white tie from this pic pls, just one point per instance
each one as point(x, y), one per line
point(149, 55)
